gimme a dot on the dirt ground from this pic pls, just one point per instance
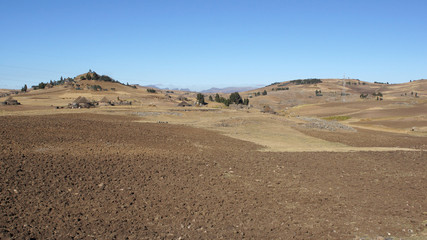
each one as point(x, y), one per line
point(87, 176)
point(369, 138)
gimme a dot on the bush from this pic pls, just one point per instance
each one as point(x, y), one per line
point(150, 90)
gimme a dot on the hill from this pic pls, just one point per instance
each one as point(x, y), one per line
point(299, 92)
point(94, 87)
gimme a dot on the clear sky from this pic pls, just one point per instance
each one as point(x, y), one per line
point(201, 44)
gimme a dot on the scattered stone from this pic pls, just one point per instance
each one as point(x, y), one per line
point(325, 125)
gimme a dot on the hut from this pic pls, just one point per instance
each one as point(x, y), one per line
point(104, 102)
point(184, 104)
point(81, 102)
point(10, 101)
point(268, 109)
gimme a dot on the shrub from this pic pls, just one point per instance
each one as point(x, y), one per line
point(150, 90)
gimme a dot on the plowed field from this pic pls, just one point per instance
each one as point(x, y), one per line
point(81, 176)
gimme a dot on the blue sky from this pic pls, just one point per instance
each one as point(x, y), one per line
point(201, 44)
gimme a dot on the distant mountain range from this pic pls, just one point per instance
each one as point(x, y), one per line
point(177, 89)
point(228, 90)
point(210, 90)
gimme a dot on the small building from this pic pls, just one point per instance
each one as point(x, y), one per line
point(10, 101)
point(81, 102)
point(184, 104)
point(104, 102)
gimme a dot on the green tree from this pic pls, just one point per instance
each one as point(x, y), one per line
point(264, 93)
point(95, 76)
point(24, 88)
point(42, 85)
point(217, 98)
point(210, 98)
point(227, 102)
point(246, 101)
point(235, 98)
point(201, 99)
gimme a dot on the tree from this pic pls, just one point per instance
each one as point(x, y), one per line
point(217, 98)
point(201, 99)
point(264, 93)
point(210, 98)
point(24, 88)
point(95, 76)
point(227, 102)
point(88, 76)
point(42, 85)
point(235, 98)
point(246, 101)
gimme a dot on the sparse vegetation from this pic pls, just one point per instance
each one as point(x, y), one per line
point(150, 90)
point(306, 81)
point(95, 87)
point(337, 118)
point(273, 84)
point(280, 89)
point(234, 98)
point(363, 96)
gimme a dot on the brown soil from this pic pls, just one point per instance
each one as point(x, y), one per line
point(399, 124)
point(96, 176)
point(369, 138)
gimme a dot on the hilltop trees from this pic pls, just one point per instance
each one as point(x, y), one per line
point(234, 98)
point(24, 88)
point(306, 81)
